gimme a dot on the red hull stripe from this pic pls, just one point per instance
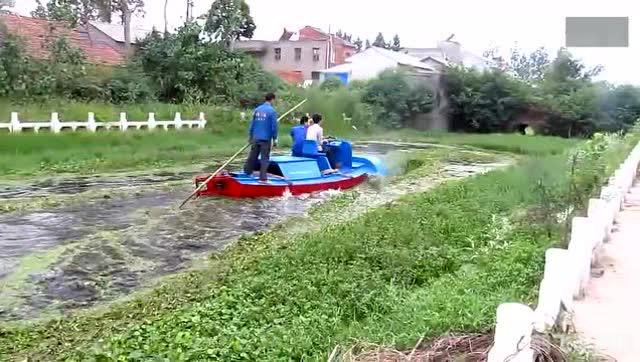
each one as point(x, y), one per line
point(230, 187)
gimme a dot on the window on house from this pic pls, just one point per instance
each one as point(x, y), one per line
point(278, 53)
point(298, 53)
point(316, 54)
point(348, 55)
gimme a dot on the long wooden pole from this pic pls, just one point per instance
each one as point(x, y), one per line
point(231, 159)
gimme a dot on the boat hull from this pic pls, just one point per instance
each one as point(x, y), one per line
point(229, 186)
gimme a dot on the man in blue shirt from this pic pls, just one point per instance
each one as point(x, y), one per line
point(264, 128)
point(298, 136)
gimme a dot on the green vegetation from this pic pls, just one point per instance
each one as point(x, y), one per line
point(558, 97)
point(79, 152)
point(512, 143)
point(428, 264)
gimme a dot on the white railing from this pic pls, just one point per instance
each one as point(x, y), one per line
point(56, 125)
point(566, 272)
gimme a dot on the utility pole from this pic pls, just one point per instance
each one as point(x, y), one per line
point(190, 4)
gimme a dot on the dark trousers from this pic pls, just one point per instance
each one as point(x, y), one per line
point(331, 156)
point(262, 148)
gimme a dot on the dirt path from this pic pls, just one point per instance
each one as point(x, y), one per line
point(609, 316)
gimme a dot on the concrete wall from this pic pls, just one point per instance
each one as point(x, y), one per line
point(288, 62)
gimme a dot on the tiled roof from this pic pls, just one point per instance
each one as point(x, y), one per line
point(321, 35)
point(36, 34)
point(116, 31)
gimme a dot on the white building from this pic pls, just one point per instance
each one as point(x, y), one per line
point(373, 61)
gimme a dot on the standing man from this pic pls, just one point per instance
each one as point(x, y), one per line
point(298, 135)
point(264, 128)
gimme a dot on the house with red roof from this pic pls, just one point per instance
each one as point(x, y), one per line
point(300, 56)
point(37, 35)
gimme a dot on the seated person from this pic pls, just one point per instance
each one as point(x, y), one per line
point(298, 135)
point(315, 133)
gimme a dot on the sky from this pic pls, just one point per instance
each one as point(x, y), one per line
point(477, 25)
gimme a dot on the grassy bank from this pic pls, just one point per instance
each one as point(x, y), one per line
point(24, 155)
point(29, 154)
point(428, 264)
point(86, 153)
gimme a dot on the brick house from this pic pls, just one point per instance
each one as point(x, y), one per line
point(37, 35)
point(340, 49)
point(298, 57)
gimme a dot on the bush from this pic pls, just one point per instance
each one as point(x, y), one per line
point(331, 84)
point(184, 67)
point(484, 101)
point(130, 85)
point(395, 101)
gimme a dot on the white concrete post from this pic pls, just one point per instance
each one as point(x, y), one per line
point(15, 123)
point(91, 122)
point(151, 122)
point(601, 218)
point(612, 195)
point(512, 340)
point(555, 289)
point(598, 213)
point(55, 123)
point(203, 121)
point(124, 124)
point(581, 251)
point(549, 303)
point(178, 120)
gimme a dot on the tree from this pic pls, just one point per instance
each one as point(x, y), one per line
point(7, 4)
point(396, 43)
point(368, 44)
point(229, 20)
point(125, 9)
point(396, 101)
point(380, 42)
point(60, 10)
point(529, 67)
point(184, 66)
point(358, 44)
point(166, 21)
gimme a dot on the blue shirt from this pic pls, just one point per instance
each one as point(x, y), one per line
point(264, 125)
point(298, 135)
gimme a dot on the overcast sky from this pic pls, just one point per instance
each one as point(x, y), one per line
point(477, 25)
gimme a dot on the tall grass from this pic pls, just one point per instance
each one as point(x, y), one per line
point(82, 152)
point(513, 143)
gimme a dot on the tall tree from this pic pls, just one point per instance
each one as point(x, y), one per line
point(7, 4)
point(166, 21)
point(380, 42)
point(396, 43)
point(76, 12)
point(123, 8)
point(189, 17)
point(358, 44)
point(229, 20)
point(529, 67)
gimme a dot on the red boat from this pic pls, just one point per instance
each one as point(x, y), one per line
point(290, 175)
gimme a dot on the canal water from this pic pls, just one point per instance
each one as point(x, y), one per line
point(59, 259)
